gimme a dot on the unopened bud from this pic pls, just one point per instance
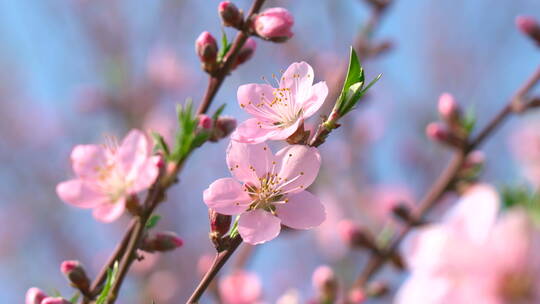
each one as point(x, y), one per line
point(448, 108)
point(246, 52)
point(529, 26)
point(356, 296)
point(354, 235)
point(325, 282)
point(225, 125)
point(377, 289)
point(440, 133)
point(219, 223)
point(161, 241)
point(475, 159)
point(274, 24)
point(230, 14)
point(205, 122)
point(55, 300)
point(34, 295)
point(76, 275)
point(206, 48)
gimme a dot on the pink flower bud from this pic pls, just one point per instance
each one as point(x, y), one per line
point(437, 132)
point(206, 48)
point(230, 14)
point(225, 125)
point(475, 159)
point(76, 275)
point(529, 26)
point(219, 223)
point(161, 241)
point(205, 122)
point(377, 289)
point(55, 300)
point(274, 24)
point(353, 234)
point(325, 282)
point(357, 296)
point(246, 52)
point(34, 295)
point(448, 107)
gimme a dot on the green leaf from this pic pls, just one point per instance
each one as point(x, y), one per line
point(225, 46)
point(152, 221)
point(111, 278)
point(469, 120)
point(218, 112)
point(355, 73)
point(74, 298)
point(160, 144)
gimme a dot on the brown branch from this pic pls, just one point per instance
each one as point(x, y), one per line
point(220, 260)
point(445, 180)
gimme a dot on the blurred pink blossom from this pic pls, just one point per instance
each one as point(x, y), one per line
point(278, 112)
point(525, 144)
point(273, 192)
point(107, 176)
point(384, 198)
point(164, 68)
point(204, 263)
point(162, 285)
point(240, 287)
point(443, 257)
point(146, 264)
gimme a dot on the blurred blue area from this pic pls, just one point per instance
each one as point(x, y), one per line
point(469, 48)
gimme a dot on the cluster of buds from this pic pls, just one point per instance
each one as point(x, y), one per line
point(161, 241)
point(326, 284)
point(37, 296)
point(273, 24)
point(530, 27)
point(470, 171)
point(76, 275)
point(218, 129)
point(219, 227)
point(453, 129)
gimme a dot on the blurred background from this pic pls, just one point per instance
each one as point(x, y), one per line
point(75, 71)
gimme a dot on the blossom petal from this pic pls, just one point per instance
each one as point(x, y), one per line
point(258, 226)
point(475, 213)
point(87, 160)
point(249, 162)
point(253, 131)
point(110, 211)
point(226, 196)
point(423, 249)
point(133, 153)
point(425, 289)
point(298, 167)
point(254, 98)
point(78, 193)
point(298, 77)
point(318, 95)
point(303, 210)
point(284, 133)
point(146, 175)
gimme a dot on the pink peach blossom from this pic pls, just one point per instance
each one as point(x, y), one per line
point(240, 287)
point(107, 176)
point(278, 112)
point(273, 190)
point(441, 255)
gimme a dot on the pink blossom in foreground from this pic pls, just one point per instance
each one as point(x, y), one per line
point(107, 176)
point(273, 190)
point(274, 23)
point(441, 256)
point(240, 287)
point(278, 112)
point(525, 145)
point(34, 296)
